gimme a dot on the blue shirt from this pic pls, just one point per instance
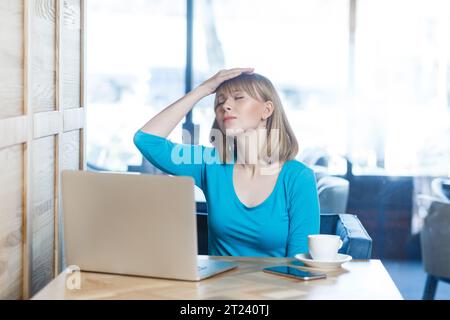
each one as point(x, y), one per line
point(277, 227)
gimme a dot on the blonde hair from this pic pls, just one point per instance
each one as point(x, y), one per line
point(259, 88)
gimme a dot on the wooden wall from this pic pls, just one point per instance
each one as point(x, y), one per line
point(42, 117)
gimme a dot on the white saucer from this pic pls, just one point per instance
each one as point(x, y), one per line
point(307, 260)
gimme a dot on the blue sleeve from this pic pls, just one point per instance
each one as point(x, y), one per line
point(304, 212)
point(172, 158)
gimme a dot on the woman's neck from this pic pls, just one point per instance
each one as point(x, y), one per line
point(256, 170)
point(250, 146)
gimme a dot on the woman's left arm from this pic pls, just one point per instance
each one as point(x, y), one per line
point(304, 212)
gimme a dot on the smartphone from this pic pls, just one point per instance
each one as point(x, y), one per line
point(294, 273)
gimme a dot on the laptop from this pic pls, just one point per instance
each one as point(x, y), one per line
point(133, 224)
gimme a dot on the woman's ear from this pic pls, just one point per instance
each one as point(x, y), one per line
point(268, 109)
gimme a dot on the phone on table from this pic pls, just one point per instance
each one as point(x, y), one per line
point(294, 273)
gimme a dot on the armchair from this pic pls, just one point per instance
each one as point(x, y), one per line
point(434, 240)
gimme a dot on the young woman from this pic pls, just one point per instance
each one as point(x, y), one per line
point(260, 200)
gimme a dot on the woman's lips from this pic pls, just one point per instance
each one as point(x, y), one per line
point(229, 118)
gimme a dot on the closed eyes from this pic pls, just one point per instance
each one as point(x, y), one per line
point(220, 103)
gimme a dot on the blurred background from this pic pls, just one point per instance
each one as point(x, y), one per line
point(365, 85)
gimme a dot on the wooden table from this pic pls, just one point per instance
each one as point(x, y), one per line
point(357, 279)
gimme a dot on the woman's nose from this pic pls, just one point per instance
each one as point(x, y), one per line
point(226, 105)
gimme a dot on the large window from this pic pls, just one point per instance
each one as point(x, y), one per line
point(136, 67)
point(368, 80)
point(301, 46)
point(401, 112)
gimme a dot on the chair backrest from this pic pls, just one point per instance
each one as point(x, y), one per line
point(437, 187)
point(314, 156)
point(333, 194)
point(435, 239)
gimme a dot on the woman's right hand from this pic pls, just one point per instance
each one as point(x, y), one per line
point(209, 86)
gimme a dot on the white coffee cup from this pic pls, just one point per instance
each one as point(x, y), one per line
point(324, 247)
